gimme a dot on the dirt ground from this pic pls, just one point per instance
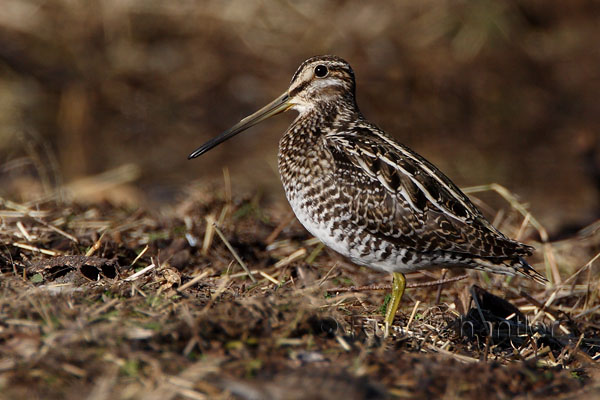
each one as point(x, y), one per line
point(129, 272)
point(106, 302)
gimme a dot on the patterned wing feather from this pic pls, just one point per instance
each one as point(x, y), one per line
point(402, 198)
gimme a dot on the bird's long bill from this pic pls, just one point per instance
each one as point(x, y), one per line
point(275, 107)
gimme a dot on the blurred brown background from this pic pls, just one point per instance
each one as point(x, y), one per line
point(490, 91)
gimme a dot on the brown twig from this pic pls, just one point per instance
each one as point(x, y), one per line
point(279, 228)
point(233, 252)
point(389, 286)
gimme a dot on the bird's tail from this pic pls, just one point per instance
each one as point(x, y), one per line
point(510, 267)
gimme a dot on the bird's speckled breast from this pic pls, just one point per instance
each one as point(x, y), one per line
point(321, 204)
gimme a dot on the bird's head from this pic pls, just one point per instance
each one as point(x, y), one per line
point(318, 82)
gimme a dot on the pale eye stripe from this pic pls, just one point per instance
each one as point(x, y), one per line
point(331, 82)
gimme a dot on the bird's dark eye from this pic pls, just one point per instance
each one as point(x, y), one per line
point(321, 71)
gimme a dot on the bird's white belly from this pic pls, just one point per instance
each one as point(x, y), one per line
point(321, 229)
point(348, 243)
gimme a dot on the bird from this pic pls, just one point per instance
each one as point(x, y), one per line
point(369, 197)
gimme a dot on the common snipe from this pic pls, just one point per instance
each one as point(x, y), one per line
point(369, 197)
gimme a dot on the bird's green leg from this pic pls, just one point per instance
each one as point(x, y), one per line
point(398, 285)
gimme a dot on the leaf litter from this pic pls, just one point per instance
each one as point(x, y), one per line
point(229, 297)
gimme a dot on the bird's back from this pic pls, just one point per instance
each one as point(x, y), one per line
point(380, 203)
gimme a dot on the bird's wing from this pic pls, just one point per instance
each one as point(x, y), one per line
point(405, 199)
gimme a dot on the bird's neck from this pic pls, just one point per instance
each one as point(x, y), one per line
point(322, 118)
point(301, 148)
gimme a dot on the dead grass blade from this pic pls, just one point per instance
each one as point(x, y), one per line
point(233, 252)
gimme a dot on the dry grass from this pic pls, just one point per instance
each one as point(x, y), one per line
point(109, 302)
point(213, 293)
point(508, 88)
